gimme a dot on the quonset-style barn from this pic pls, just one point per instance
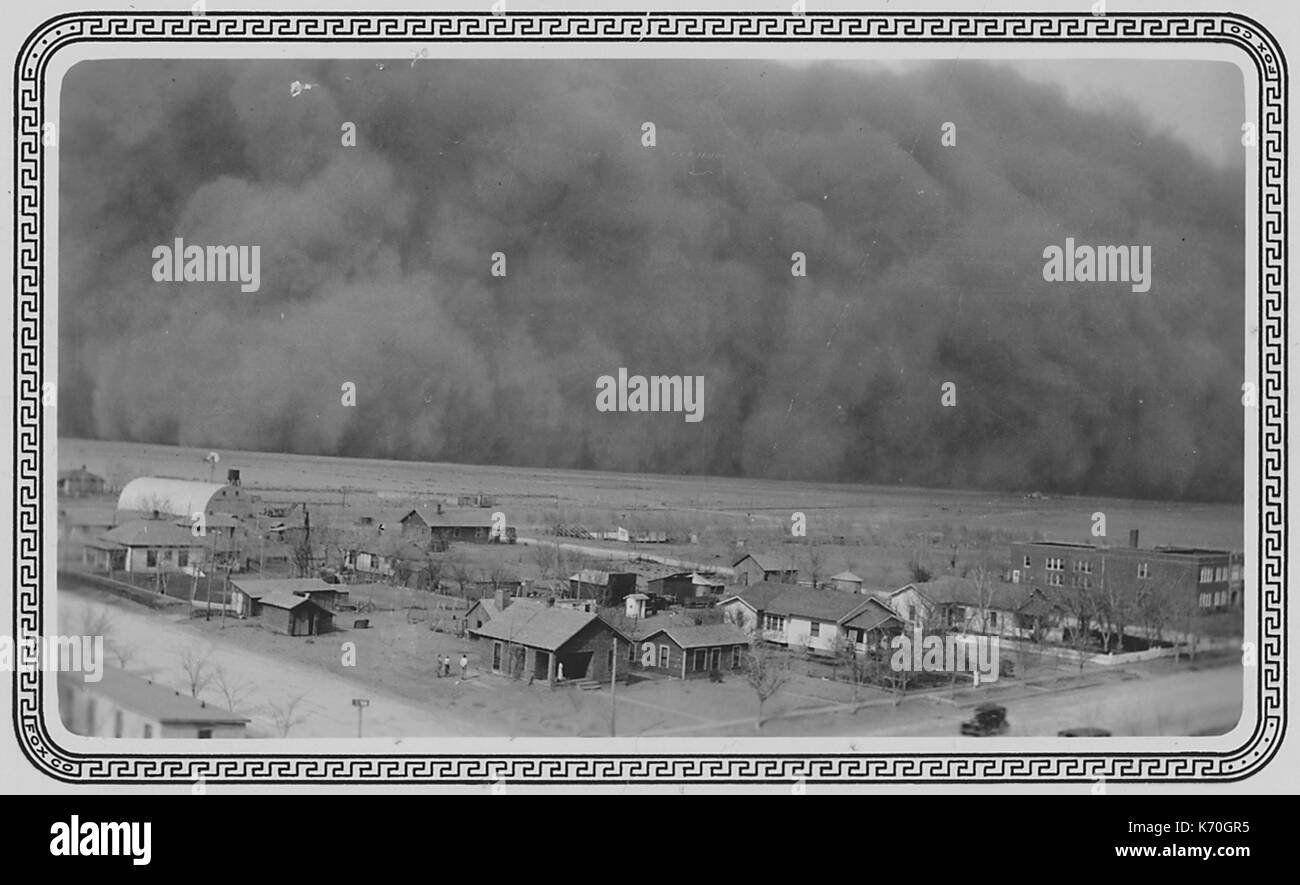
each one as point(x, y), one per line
point(183, 497)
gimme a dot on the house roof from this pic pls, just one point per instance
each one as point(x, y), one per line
point(820, 605)
point(703, 635)
point(158, 702)
point(78, 473)
point(766, 562)
point(952, 590)
point(151, 533)
point(846, 576)
point(215, 521)
point(260, 588)
point(590, 576)
point(758, 596)
point(872, 615)
point(287, 600)
point(489, 604)
point(544, 627)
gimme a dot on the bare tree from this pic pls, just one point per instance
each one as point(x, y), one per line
point(816, 561)
point(285, 714)
point(197, 668)
point(844, 653)
point(233, 689)
point(459, 570)
point(767, 670)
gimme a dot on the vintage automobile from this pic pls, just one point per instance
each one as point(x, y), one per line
point(989, 719)
point(1083, 733)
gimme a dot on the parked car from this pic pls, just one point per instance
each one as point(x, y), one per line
point(989, 719)
point(1083, 733)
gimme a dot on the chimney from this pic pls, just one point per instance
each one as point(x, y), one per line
point(1133, 538)
point(503, 598)
point(232, 476)
point(440, 508)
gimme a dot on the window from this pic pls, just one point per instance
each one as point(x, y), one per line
point(1144, 570)
point(1086, 566)
point(631, 652)
point(1055, 564)
point(698, 660)
point(496, 656)
point(775, 623)
point(993, 619)
point(1221, 573)
point(182, 557)
point(1206, 600)
point(735, 657)
point(663, 656)
point(815, 630)
point(151, 558)
point(1207, 574)
point(1029, 562)
point(1054, 580)
point(205, 733)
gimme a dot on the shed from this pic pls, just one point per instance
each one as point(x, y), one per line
point(294, 615)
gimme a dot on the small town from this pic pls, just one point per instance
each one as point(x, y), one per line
point(232, 608)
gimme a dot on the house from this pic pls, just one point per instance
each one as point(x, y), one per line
point(407, 524)
point(745, 608)
point(468, 526)
point(78, 525)
point(847, 582)
point(954, 603)
point(671, 584)
point(552, 644)
point(147, 546)
point(484, 609)
point(686, 651)
point(607, 587)
point(705, 589)
point(124, 706)
point(383, 556)
point(820, 621)
point(246, 593)
point(293, 615)
point(79, 483)
point(754, 569)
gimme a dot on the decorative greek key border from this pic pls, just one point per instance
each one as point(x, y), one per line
point(29, 467)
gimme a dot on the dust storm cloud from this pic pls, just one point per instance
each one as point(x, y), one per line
point(924, 266)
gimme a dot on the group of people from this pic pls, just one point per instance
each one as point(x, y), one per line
point(444, 666)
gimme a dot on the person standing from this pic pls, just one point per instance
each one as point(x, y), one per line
point(464, 666)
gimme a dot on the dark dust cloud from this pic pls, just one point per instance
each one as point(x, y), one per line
point(925, 266)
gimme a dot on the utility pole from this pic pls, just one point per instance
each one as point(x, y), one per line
point(360, 704)
point(613, 683)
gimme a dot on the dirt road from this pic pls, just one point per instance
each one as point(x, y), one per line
point(157, 641)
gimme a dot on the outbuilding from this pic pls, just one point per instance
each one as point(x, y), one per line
point(293, 615)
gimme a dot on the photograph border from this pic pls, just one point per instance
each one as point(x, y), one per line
point(29, 468)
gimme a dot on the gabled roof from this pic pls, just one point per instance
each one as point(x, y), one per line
point(872, 615)
point(846, 576)
point(151, 533)
point(260, 588)
point(156, 701)
point(703, 635)
point(766, 562)
point(758, 596)
point(547, 627)
point(288, 601)
point(590, 576)
point(819, 605)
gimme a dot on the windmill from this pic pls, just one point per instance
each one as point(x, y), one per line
point(212, 458)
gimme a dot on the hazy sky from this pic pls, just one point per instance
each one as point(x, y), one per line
point(1199, 103)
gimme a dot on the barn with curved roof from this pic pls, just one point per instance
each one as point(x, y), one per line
point(183, 497)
